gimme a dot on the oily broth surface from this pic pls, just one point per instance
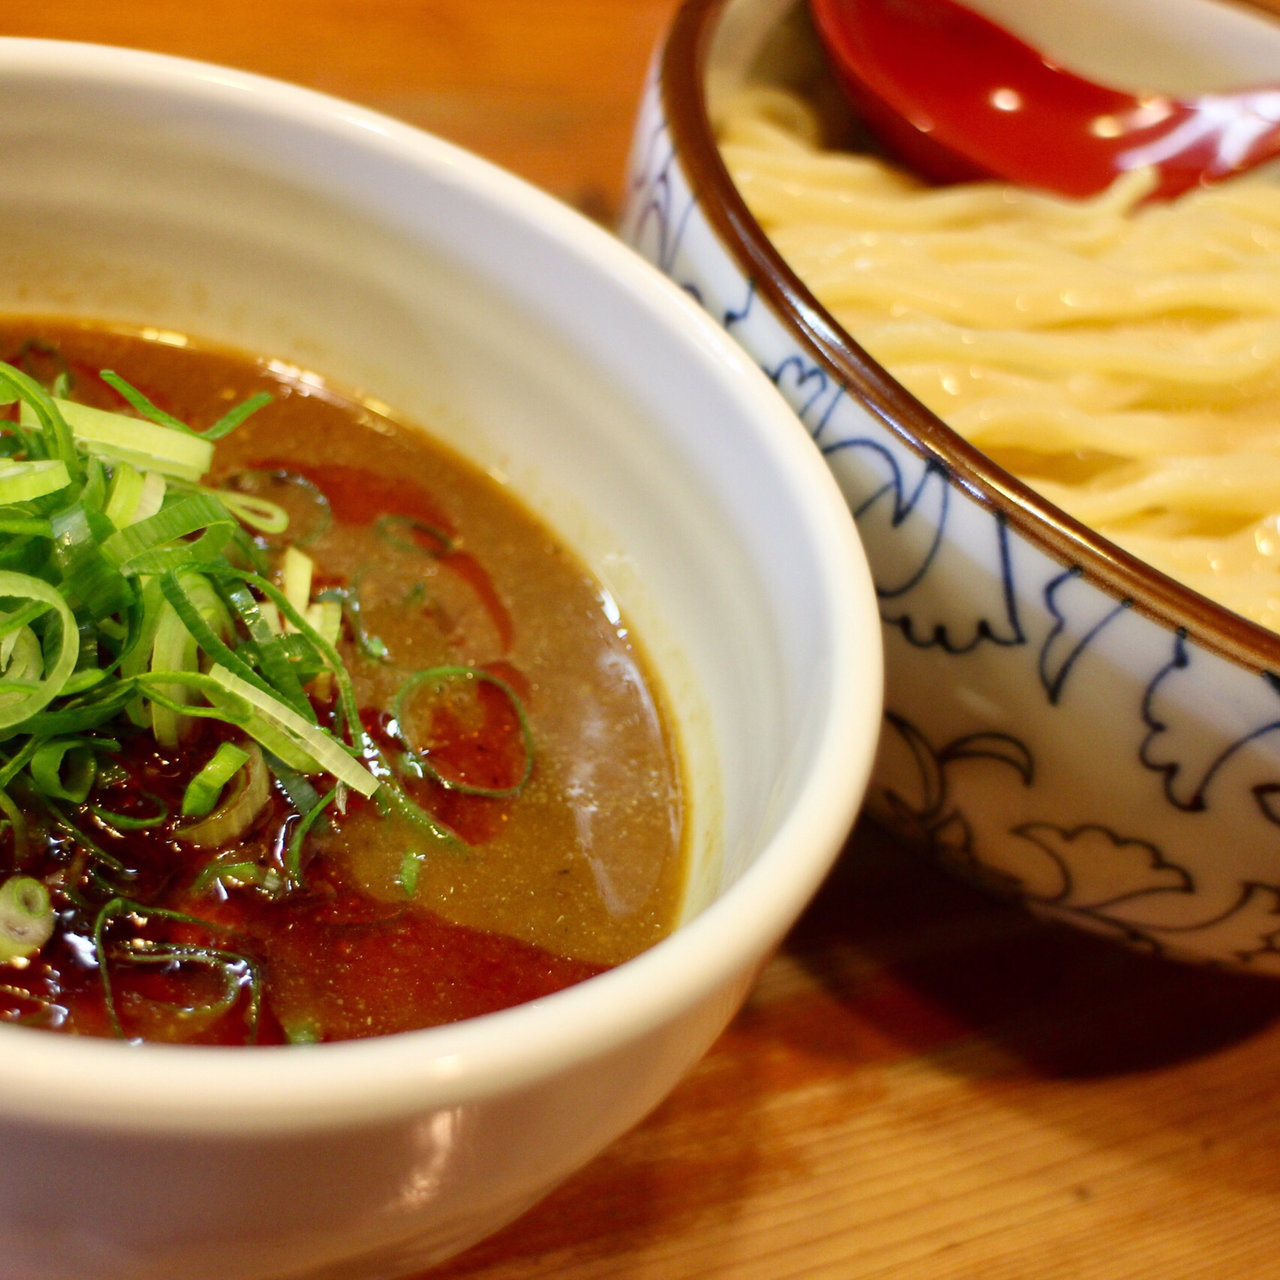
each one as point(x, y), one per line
point(587, 862)
point(566, 865)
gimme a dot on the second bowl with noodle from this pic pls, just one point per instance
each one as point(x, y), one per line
point(1065, 723)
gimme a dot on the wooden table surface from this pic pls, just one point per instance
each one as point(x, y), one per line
point(925, 1083)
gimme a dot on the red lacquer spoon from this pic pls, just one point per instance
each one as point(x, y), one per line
point(957, 96)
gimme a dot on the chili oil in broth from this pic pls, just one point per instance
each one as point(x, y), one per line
point(580, 870)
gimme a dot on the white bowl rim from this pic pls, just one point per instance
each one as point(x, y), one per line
point(681, 69)
point(85, 1084)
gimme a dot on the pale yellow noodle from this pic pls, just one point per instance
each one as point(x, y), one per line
point(1124, 357)
point(1234, 488)
point(1059, 427)
point(1226, 357)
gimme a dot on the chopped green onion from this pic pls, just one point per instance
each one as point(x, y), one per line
point(293, 855)
point(410, 866)
point(27, 682)
point(268, 650)
point(187, 590)
point(26, 918)
point(292, 738)
point(222, 871)
point(387, 528)
point(141, 404)
point(204, 789)
point(152, 446)
point(235, 416)
point(346, 694)
point(86, 576)
point(38, 410)
point(131, 821)
point(18, 825)
point(296, 572)
point(326, 617)
point(348, 599)
point(305, 526)
point(125, 495)
point(134, 495)
point(156, 544)
point(26, 481)
point(141, 951)
point(237, 809)
point(175, 649)
point(64, 768)
point(438, 678)
point(302, 1032)
point(259, 513)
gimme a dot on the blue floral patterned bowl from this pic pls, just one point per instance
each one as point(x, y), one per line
point(1064, 724)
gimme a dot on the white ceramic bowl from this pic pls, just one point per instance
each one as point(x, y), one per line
point(1063, 724)
point(185, 197)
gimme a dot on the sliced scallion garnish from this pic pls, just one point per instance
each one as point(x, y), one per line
point(117, 595)
point(26, 481)
point(37, 663)
point(204, 789)
point(238, 804)
point(440, 680)
point(131, 821)
point(298, 743)
point(26, 918)
point(141, 951)
point(150, 446)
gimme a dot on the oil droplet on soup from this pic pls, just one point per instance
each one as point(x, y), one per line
point(487, 671)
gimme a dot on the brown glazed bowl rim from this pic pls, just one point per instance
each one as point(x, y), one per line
point(682, 71)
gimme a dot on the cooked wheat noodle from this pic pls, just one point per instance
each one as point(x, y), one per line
point(1122, 357)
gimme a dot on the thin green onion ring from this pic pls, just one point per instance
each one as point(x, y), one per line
point(439, 675)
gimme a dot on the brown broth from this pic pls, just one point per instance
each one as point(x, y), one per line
point(580, 870)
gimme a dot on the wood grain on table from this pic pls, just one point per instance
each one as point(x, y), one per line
point(926, 1084)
